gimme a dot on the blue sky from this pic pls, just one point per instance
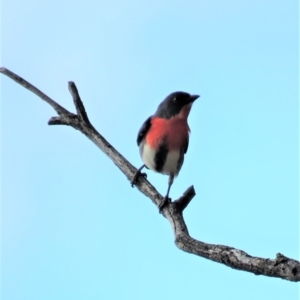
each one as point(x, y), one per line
point(72, 227)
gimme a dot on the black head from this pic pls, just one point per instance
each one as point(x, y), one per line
point(173, 104)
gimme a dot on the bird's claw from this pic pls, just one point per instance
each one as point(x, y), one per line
point(135, 177)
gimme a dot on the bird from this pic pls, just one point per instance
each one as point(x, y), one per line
point(163, 138)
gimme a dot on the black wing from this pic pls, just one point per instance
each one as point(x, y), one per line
point(144, 129)
point(186, 145)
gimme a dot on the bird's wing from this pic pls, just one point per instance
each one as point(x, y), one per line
point(186, 144)
point(144, 129)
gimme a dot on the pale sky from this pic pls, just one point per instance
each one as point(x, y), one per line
point(72, 227)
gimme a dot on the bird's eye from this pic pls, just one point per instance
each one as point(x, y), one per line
point(175, 99)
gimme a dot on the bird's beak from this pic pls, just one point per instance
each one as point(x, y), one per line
point(193, 98)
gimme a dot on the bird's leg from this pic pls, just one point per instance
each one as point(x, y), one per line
point(137, 174)
point(166, 200)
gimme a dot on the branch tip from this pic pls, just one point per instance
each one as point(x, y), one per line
point(57, 121)
point(72, 86)
point(185, 199)
point(27, 85)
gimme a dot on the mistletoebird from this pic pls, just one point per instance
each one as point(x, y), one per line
point(164, 137)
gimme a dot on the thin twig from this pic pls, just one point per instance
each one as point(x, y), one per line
point(58, 108)
point(78, 103)
point(185, 199)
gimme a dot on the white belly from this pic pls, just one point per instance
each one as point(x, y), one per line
point(148, 155)
point(170, 165)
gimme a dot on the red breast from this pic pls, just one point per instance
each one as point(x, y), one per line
point(173, 131)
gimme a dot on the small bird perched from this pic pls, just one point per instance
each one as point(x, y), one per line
point(164, 137)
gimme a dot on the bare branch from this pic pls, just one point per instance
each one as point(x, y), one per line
point(281, 267)
point(185, 199)
point(58, 121)
point(78, 103)
point(59, 109)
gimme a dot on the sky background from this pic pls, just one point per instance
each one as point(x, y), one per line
point(72, 227)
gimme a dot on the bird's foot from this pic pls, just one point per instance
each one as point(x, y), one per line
point(164, 203)
point(136, 176)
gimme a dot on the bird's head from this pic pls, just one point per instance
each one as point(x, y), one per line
point(176, 104)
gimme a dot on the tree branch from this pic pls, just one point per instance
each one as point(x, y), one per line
point(281, 266)
point(78, 103)
point(59, 109)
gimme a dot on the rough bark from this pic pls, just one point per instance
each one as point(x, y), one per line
point(281, 266)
